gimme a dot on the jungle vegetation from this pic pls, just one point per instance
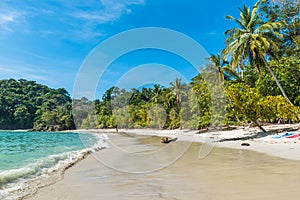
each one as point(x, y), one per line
point(29, 105)
point(257, 74)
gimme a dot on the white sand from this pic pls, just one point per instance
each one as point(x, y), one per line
point(224, 174)
point(288, 148)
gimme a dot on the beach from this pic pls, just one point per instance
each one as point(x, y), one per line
point(143, 100)
point(137, 166)
point(288, 148)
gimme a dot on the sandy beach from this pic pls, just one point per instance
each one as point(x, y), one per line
point(288, 148)
point(140, 167)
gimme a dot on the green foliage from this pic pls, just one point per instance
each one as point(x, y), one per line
point(26, 105)
point(201, 101)
point(287, 11)
point(287, 71)
point(245, 104)
point(276, 108)
point(174, 107)
point(254, 41)
point(56, 119)
point(81, 109)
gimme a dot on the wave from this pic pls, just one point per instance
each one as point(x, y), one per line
point(17, 183)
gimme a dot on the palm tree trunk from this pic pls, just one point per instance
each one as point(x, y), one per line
point(276, 80)
point(258, 125)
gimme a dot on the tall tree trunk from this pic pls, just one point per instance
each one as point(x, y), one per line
point(276, 80)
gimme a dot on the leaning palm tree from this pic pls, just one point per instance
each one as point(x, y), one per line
point(253, 42)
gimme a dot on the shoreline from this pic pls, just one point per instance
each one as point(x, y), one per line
point(283, 148)
point(89, 177)
point(37, 175)
point(287, 148)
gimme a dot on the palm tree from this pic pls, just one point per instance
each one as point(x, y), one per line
point(169, 99)
point(157, 93)
point(253, 42)
point(223, 69)
point(178, 89)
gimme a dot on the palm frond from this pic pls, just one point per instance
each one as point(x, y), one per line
point(235, 20)
point(254, 12)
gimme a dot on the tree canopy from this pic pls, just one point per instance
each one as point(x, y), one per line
point(27, 104)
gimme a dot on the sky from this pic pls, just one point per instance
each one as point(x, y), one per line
point(49, 41)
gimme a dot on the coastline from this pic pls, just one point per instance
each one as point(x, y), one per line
point(19, 183)
point(287, 148)
point(242, 171)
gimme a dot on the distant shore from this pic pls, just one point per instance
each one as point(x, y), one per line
point(252, 137)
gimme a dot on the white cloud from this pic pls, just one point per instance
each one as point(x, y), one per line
point(87, 34)
point(94, 13)
point(10, 17)
point(68, 19)
point(111, 10)
point(212, 33)
point(95, 17)
point(7, 18)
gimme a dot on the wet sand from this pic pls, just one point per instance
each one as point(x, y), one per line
point(223, 174)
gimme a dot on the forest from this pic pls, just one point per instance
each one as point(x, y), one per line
point(29, 105)
point(257, 75)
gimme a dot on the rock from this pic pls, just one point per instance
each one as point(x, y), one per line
point(245, 144)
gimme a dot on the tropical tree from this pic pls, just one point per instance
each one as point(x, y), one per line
point(287, 71)
point(244, 103)
point(157, 94)
point(24, 104)
point(289, 12)
point(201, 99)
point(253, 42)
point(222, 67)
point(179, 90)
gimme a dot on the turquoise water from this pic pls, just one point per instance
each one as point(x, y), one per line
point(26, 155)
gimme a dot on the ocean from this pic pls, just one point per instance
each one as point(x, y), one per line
point(29, 160)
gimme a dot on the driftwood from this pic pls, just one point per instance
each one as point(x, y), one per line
point(167, 140)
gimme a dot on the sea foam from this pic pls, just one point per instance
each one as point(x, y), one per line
point(23, 181)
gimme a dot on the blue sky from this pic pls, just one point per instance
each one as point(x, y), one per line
point(47, 40)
